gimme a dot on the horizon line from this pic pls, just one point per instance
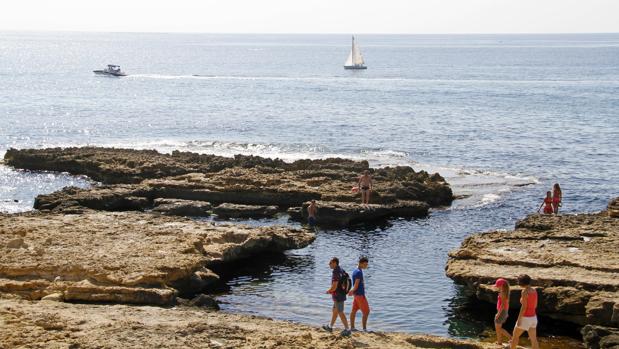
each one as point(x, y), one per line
point(292, 33)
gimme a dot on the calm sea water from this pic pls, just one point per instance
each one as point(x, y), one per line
point(503, 117)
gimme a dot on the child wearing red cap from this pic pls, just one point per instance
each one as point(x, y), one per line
point(502, 308)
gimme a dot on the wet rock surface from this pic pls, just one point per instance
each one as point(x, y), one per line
point(139, 177)
point(572, 259)
point(64, 325)
point(176, 207)
point(347, 213)
point(124, 257)
point(245, 211)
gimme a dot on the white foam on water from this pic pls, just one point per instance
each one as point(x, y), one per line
point(477, 188)
point(474, 188)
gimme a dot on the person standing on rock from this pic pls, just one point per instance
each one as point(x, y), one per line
point(358, 290)
point(338, 293)
point(557, 197)
point(547, 204)
point(365, 186)
point(527, 318)
point(311, 213)
point(502, 310)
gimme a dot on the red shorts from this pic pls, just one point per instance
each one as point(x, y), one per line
point(361, 303)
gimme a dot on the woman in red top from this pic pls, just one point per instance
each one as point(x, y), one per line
point(547, 204)
point(502, 308)
point(527, 318)
point(557, 197)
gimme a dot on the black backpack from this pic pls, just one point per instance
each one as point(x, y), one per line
point(344, 284)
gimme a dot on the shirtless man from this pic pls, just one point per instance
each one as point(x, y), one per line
point(311, 213)
point(365, 186)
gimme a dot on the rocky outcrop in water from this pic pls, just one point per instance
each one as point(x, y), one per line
point(47, 324)
point(124, 257)
point(573, 260)
point(149, 176)
point(347, 213)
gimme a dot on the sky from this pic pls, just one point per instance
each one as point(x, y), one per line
point(314, 16)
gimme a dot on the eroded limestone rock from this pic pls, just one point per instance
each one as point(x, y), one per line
point(572, 259)
point(124, 257)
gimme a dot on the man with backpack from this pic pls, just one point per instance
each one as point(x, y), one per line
point(340, 285)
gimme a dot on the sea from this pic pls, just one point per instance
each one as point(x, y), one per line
point(501, 117)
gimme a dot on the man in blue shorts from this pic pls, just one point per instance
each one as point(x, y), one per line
point(338, 296)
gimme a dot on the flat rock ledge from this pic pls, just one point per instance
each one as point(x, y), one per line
point(347, 213)
point(64, 325)
point(245, 211)
point(134, 179)
point(572, 259)
point(125, 257)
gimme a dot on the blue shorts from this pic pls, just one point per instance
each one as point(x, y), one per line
point(311, 221)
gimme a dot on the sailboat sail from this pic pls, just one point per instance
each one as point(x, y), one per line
point(355, 59)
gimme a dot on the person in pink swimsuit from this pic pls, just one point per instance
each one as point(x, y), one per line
point(527, 318)
point(502, 310)
point(547, 204)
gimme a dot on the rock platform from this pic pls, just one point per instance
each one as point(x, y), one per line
point(124, 257)
point(572, 259)
point(135, 179)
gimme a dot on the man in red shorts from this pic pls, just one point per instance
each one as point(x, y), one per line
point(358, 290)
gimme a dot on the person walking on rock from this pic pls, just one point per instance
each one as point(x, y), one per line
point(502, 310)
point(557, 197)
point(365, 186)
point(527, 318)
point(358, 290)
point(338, 289)
point(311, 213)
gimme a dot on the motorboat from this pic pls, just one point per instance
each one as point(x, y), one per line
point(112, 70)
point(355, 59)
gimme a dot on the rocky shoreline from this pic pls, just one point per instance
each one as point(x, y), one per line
point(136, 179)
point(125, 257)
point(48, 324)
point(573, 260)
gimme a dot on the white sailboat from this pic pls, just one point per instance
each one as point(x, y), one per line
point(355, 59)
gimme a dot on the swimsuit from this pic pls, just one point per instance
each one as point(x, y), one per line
point(548, 206)
point(365, 188)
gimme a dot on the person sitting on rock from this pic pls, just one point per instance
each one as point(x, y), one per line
point(311, 213)
point(527, 318)
point(557, 197)
point(502, 310)
point(365, 186)
point(548, 204)
point(339, 296)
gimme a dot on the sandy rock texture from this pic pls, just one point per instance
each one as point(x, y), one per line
point(135, 178)
point(46, 324)
point(124, 257)
point(573, 260)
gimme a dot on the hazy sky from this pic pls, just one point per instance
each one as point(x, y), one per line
point(314, 16)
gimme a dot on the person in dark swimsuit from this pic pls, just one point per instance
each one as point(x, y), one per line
point(311, 213)
point(365, 186)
